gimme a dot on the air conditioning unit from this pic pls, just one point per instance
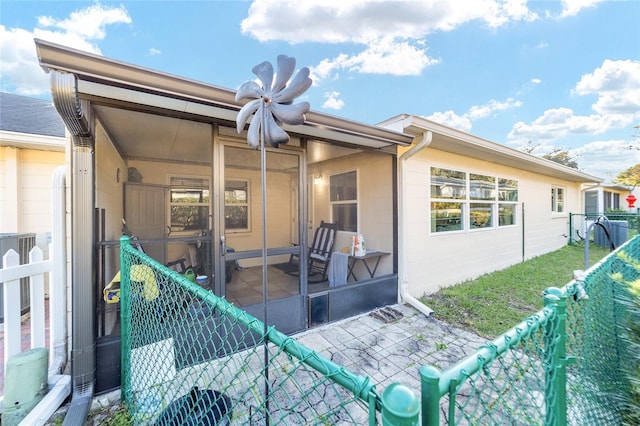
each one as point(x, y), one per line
point(22, 244)
point(618, 233)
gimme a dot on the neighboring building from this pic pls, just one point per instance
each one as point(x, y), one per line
point(438, 205)
point(607, 197)
point(32, 145)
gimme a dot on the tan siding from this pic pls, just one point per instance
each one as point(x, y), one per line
point(109, 193)
point(436, 260)
point(375, 202)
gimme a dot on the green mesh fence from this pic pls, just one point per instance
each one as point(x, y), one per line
point(559, 366)
point(190, 357)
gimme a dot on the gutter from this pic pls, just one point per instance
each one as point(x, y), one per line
point(405, 296)
point(65, 99)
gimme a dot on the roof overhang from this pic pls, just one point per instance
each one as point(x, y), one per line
point(109, 81)
point(458, 142)
point(32, 141)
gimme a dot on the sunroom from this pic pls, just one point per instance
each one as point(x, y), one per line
point(158, 156)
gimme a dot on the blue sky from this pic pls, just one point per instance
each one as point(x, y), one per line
point(561, 74)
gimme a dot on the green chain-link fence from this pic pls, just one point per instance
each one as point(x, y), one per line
point(559, 366)
point(187, 352)
point(190, 357)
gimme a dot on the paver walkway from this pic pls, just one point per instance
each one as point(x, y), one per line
point(392, 352)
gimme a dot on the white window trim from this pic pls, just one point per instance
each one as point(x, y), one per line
point(468, 201)
point(554, 199)
point(357, 200)
point(248, 205)
point(169, 203)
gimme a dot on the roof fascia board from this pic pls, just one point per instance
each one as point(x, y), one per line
point(32, 141)
point(90, 68)
point(418, 125)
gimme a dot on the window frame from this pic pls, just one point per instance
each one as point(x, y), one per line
point(204, 204)
point(246, 204)
point(480, 193)
point(555, 191)
point(347, 202)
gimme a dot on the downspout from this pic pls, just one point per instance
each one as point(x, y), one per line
point(65, 99)
point(404, 284)
point(58, 280)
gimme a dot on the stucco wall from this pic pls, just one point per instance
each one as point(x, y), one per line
point(25, 191)
point(375, 202)
point(8, 189)
point(110, 176)
point(435, 260)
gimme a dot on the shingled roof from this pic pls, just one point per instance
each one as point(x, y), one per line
point(22, 114)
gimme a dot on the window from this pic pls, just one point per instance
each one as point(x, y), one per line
point(461, 200)
point(611, 201)
point(343, 196)
point(481, 188)
point(236, 205)
point(507, 199)
point(557, 199)
point(189, 204)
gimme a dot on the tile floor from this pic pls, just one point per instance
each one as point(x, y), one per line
point(245, 288)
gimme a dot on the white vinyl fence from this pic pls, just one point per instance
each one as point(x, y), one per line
point(10, 276)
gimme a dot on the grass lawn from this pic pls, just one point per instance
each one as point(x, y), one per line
point(495, 302)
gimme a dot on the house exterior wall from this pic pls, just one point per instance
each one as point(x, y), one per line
point(109, 189)
point(158, 173)
point(25, 191)
point(375, 202)
point(9, 205)
point(435, 260)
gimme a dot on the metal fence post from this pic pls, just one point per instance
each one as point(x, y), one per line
point(570, 228)
point(555, 358)
point(400, 406)
point(125, 320)
point(430, 388)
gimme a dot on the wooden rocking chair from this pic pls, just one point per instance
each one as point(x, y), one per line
point(320, 249)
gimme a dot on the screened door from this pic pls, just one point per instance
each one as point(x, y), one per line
point(279, 296)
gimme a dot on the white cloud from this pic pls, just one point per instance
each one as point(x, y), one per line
point(392, 32)
point(154, 52)
point(326, 68)
point(573, 7)
point(451, 119)
point(617, 87)
point(88, 23)
point(340, 21)
point(557, 123)
point(606, 159)
point(333, 101)
point(384, 56)
point(19, 66)
point(481, 111)
point(465, 121)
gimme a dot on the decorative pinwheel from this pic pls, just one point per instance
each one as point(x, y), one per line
point(273, 102)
